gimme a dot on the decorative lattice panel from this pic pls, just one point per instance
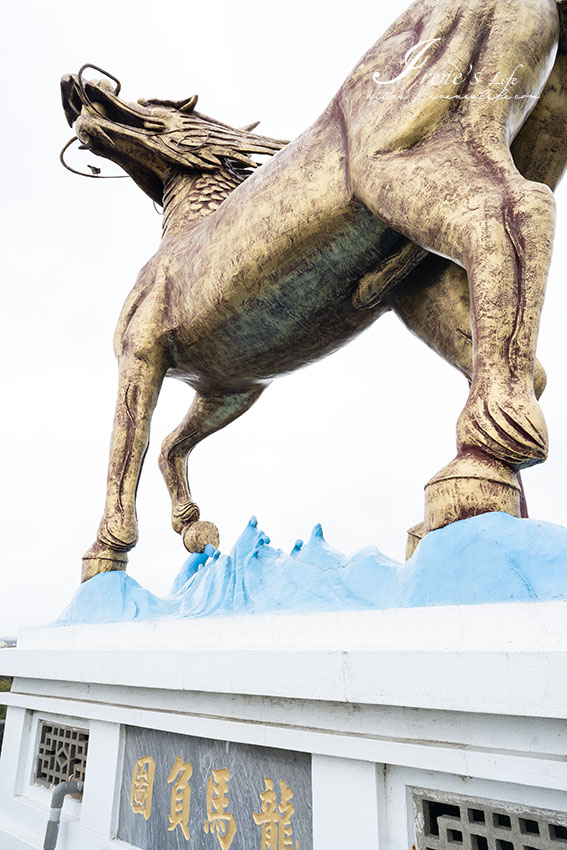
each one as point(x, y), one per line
point(449, 822)
point(61, 754)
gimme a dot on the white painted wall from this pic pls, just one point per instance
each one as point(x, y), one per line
point(485, 716)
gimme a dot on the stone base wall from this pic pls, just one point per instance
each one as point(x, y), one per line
point(436, 728)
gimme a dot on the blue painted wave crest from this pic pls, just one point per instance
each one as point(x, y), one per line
point(486, 559)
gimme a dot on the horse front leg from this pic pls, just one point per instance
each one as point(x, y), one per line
point(138, 389)
point(208, 414)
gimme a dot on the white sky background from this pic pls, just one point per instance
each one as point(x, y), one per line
point(348, 442)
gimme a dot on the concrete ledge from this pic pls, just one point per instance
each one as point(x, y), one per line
point(498, 659)
point(530, 684)
point(521, 626)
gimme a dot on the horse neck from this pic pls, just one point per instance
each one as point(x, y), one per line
point(188, 197)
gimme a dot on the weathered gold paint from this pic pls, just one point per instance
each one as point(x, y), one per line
point(440, 210)
point(141, 789)
point(275, 817)
point(220, 821)
point(180, 776)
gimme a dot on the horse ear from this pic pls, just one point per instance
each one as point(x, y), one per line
point(190, 104)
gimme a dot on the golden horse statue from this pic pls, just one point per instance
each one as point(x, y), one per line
point(425, 187)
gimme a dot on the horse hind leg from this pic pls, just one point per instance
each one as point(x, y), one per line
point(499, 227)
point(208, 413)
point(434, 304)
point(501, 429)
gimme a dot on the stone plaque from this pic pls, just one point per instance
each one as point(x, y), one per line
point(179, 791)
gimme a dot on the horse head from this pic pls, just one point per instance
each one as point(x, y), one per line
point(150, 137)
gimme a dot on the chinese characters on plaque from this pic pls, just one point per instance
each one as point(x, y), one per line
point(219, 820)
point(180, 796)
point(277, 832)
point(275, 820)
point(143, 786)
point(203, 794)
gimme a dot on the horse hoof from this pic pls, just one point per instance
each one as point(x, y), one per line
point(99, 559)
point(415, 535)
point(469, 486)
point(198, 535)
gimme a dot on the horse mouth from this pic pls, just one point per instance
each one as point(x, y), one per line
point(77, 94)
point(71, 98)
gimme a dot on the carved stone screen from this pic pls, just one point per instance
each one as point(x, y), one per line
point(180, 791)
point(61, 754)
point(448, 821)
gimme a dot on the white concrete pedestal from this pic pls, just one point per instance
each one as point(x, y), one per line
point(470, 701)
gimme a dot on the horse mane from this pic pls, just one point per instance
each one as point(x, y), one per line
point(204, 143)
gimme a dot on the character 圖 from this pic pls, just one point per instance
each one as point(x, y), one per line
point(141, 789)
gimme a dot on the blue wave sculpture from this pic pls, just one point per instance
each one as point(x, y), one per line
point(485, 559)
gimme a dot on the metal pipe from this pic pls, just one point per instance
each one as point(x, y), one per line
point(59, 793)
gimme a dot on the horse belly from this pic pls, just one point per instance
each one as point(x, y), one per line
point(275, 324)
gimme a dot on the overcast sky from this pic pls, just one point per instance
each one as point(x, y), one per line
point(348, 442)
